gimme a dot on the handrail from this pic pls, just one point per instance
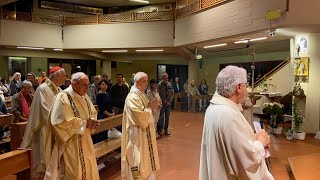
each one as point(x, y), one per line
point(194, 6)
point(272, 72)
point(88, 19)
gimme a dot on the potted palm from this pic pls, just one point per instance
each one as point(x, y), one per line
point(275, 110)
point(297, 122)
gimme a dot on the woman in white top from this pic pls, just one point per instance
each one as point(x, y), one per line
point(152, 95)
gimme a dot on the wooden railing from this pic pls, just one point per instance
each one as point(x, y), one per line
point(187, 7)
point(272, 72)
point(88, 19)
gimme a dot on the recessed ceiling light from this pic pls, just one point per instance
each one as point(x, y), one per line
point(34, 48)
point(141, 1)
point(58, 49)
point(258, 39)
point(115, 51)
point(149, 50)
point(216, 45)
point(242, 41)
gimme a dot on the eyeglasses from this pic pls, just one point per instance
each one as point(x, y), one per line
point(83, 85)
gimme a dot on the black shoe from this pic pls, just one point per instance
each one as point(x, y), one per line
point(166, 133)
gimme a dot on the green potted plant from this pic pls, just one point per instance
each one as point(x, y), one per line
point(297, 122)
point(289, 133)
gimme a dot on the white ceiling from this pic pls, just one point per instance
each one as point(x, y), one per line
point(115, 3)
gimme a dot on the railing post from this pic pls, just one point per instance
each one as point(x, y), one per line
point(97, 20)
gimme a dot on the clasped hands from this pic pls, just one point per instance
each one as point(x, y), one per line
point(92, 123)
point(155, 104)
point(264, 138)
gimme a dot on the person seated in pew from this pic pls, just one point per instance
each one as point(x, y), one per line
point(104, 103)
point(3, 107)
point(69, 145)
point(36, 131)
point(21, 102)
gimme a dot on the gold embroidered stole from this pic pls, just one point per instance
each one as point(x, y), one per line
point(151, 152)
point(77, 114)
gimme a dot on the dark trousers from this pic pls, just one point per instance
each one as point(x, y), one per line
point(164, 118)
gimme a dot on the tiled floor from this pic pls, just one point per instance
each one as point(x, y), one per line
point(179, 153)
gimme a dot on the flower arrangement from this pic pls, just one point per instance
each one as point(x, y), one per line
point(273, 108)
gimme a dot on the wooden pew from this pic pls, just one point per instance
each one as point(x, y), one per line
point(178, 103)
point(107, 149)
point(6, 120)
point(17, 132)
point(15, 163)
point(197, 97)
point(305, 167)
point(103, 150)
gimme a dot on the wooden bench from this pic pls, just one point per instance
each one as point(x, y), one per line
point(17, 133)
point(305, 167)
point(104, 150)
point(197, 97)
point(107, 149)
point(178, 103)
point(15, 163)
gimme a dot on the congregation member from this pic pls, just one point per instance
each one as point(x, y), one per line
point(73, 119)
point(4, 89)
point(166, 93)
point(3, 107)
point(139, 155)
point(203, 90)
point(118, 94)
point(15, 83)
point(230, 149)
point(152, 95)
point(43, 77)
point(32, 78)
point(105, 109)
point(94, 88)
point(35, 135)
point(176, 85)
point(193, 91)
point(21, 102)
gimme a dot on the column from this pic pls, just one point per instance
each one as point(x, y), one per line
point(309, 47)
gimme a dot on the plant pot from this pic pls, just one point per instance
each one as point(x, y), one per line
point(290, 137)
point(277, 130)
point(299, 135)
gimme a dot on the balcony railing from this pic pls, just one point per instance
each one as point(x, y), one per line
point(187, 7)
point(88, 19)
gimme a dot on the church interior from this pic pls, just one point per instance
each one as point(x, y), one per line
point(275, 41)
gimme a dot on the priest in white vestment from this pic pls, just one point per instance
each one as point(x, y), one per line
point(139, 152)
point(73, 119)
point(36, 130)
point(230, 149)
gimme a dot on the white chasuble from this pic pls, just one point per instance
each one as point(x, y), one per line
point(72, 154)
point(139, 152)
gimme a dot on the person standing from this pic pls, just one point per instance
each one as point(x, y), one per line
point(166, 94)
point(139, 155)
point(229, 148)
point(73, 120)
point(43, 77)
point(35, 135)
point(118, 94)
point(94, 89)
point(203, 90)
point(152, 95)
